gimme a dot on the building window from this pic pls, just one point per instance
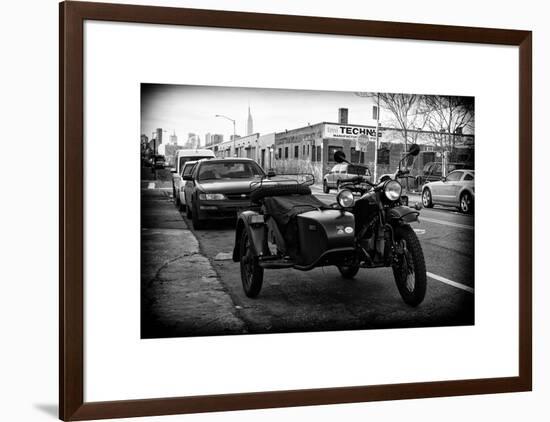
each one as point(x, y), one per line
point(331, 150)
point(303, 150)
point(279, 155)
point(355, 155)
point(296, 151)
point(319, 158)
point(307, 149)
point(383, 156)
point(286, 152)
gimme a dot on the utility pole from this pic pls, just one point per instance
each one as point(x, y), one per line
point(376, 141)
point(234, 132)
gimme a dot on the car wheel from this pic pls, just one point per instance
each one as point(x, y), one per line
point(466, 205)
point(197, 223)
point(182, 205)
point(427, 199)
point(326, 189)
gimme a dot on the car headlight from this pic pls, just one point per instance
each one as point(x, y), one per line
point(345, 198)
point(211, 196)
point(393, 190)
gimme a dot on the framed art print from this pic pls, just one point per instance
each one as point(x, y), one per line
point(267, 210)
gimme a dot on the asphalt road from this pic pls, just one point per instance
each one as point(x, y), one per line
point(291, 300)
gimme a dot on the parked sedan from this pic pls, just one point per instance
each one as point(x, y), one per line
point(341, 173)
point(219, 188)
point(179, 184)
point(159, 162)
point(457, 190)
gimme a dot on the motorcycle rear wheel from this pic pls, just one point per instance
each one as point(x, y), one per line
point(348, 271)
point(410, 269)
point(252, 275)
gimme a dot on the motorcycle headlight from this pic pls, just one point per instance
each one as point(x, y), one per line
point(211, 196)
point(345, 198)
point(393, 190)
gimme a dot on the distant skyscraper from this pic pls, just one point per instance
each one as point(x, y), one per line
point(216, 138)
point(159, 136)
point(191, 140)
point(249, 123)
point(173, 139)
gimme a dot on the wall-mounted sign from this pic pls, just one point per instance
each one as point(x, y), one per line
point(350, 132)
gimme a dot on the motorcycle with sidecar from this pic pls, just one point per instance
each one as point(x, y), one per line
point(367, 227)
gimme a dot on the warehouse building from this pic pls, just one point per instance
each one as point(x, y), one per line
point(311, 148)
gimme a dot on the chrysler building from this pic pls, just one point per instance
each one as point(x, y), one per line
point(249, 124)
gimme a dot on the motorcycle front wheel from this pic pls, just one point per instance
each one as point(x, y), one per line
point(252, 275)
point(409, 268)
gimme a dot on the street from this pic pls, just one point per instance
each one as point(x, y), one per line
point(190, 286)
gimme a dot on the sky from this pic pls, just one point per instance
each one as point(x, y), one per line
point(185, 109)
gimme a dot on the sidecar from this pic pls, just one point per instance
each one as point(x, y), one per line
point(294, 229)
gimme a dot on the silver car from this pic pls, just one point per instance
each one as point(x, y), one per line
point(457, 190)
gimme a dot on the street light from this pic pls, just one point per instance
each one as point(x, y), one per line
point(234, 133)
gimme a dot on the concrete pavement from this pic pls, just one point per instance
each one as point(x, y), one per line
point(181, 294)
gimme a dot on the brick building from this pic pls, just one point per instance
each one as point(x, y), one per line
point(311, 148)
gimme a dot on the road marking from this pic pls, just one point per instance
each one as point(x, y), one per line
point(446, 223)
point(450, 282)
point(151, 185)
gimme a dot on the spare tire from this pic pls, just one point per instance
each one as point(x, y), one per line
point(279, 190)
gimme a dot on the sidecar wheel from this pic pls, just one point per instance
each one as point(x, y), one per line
point(252, 275)
point(409, 268)
point(348, 271)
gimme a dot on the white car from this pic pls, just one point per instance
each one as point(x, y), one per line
point(183, 156)
point(457, 190)
point(181, 201)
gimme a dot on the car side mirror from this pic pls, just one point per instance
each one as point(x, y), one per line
point(271, 173)
point(187, 177)
point(443, 179)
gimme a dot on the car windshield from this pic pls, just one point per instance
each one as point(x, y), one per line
point(188, 169)
point(229, 170)
point(184, 159)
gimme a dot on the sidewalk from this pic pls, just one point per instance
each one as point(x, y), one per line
point(181, 294)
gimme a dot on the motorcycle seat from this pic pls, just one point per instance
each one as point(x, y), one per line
point(284, 208)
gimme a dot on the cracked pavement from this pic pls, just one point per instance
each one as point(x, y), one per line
point(181, 294)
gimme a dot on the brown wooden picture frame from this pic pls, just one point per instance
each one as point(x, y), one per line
point(71, 236)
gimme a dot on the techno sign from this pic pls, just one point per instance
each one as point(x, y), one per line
point(350, 132)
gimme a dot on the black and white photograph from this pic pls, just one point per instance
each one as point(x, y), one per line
point(282, 210)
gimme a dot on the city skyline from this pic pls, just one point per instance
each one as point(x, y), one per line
point(185, 108)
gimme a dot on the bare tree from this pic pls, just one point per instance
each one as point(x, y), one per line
point(448, 117)
point(404, 111)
